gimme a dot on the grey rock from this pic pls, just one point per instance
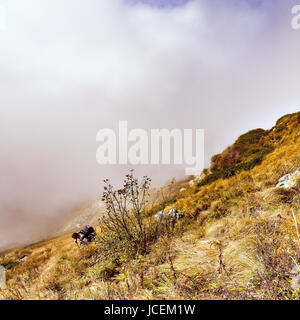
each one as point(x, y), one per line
point(295, 270)
point(296, 282)
point(23, 258)
point(172, 215)
point(2, 278)
point(289, 180)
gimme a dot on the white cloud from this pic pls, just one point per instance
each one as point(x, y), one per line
point(71, 67)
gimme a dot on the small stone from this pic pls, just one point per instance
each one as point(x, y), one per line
point(2, 278)
point(191, 183)
point(296, 282)
point(295, 270)
point(23, 258)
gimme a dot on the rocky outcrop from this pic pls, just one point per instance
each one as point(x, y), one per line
point(198, 178)
point(172, 215)
point(295, 283)
point(289, 180)
point(2, 278)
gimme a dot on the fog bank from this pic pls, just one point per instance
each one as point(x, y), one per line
point(69, 68)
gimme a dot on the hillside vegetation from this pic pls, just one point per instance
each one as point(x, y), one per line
point(239, 238)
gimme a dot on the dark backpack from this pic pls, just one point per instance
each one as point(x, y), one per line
point(89, 233)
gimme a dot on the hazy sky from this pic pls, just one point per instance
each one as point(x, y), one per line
point(71, 67)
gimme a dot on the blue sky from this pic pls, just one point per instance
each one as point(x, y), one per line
point(160, 3)
point(176, 3)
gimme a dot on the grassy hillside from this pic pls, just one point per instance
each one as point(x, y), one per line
point(239, 239)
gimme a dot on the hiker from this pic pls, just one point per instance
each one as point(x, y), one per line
point(85, 236)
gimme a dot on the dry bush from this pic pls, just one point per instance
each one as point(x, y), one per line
point(127, 228)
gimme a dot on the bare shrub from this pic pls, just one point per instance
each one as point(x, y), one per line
point(126, 227)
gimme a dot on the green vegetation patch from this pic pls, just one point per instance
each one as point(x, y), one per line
point(244, 166)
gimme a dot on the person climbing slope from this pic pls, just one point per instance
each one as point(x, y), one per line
point(84, 236)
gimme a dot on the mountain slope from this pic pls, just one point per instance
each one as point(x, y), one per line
point(239, 239)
